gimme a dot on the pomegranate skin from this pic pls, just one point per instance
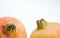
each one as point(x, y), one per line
point(20, 31)
point(46, 30)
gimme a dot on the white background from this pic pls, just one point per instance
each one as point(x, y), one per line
point(28, 11)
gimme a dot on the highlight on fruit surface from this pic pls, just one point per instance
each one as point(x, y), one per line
point(12, 28)
point(46, 30)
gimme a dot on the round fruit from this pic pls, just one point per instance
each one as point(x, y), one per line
point(46, 30)
point(11, 28)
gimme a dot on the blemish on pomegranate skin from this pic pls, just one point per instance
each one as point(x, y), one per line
point(4, 31)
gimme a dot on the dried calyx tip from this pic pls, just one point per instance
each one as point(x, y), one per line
point(11, 28)
point(41, 24)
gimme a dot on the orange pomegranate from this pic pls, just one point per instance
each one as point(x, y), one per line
point(46, 30)
point(12, 28)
